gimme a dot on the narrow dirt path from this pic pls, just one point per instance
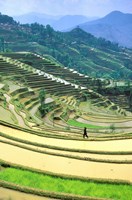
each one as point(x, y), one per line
point(12, 108)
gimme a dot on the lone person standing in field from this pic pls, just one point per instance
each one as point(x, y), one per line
point(85, 133)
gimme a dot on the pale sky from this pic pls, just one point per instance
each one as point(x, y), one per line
point(65, 7)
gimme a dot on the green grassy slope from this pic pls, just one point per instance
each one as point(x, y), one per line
point(56, 184)
point(76, 49)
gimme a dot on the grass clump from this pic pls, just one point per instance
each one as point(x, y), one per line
point(112, 127)
point(65, 185)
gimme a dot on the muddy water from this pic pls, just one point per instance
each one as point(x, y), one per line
point(33, 111)
point(31, 124)
point(12, 108)
point(6, 115)
point(13, 86)
point(1, 85)
point(7, 194)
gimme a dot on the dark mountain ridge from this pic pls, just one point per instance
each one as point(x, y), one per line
point(116, 27)
point(113, 18)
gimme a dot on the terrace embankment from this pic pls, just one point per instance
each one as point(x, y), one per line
point(66, 165)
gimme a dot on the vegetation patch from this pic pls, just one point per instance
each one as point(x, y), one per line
point(65, 185)
point(73, 122)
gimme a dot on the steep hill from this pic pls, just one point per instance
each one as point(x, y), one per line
point(116, 27)
point(76, 49)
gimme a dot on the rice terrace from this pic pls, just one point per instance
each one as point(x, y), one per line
point(45, 104)
point(43, 113)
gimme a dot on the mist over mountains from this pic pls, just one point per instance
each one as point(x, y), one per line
point(69, 21)
point(76, 49)
point(59, 23)
point(115, 27)
point(33, 17)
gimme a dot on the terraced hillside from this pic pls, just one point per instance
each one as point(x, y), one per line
point(53, 145)
point(54, 69)
point(74, 77)
point(77, 49)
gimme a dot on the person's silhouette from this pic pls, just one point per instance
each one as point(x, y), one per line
point(85, 133)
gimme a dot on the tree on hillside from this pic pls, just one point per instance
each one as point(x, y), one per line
point(130, 100)
point(2, 44)
point(5, 19)
point(42, 96)
point(49, 30)
point(42, 107)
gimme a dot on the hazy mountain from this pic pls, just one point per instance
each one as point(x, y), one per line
point(70, 21)
point(116, 27)
point(36, 17)
point(57, 22)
